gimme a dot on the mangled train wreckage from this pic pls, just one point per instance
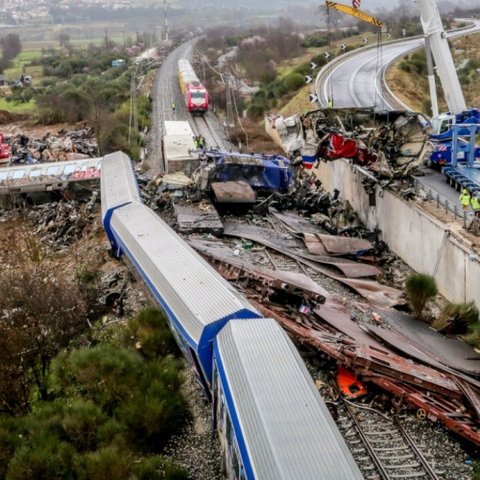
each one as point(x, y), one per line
point(391, 144)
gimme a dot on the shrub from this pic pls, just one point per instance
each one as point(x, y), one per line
point(104, 374)
point(159, 468)
point(9, 440)
point(106, 464)
point(156, 410)
point(46, 459)
point(420, 288)
point(294, 81)
point(150, 333)
point(81, 423)
point(456, 318)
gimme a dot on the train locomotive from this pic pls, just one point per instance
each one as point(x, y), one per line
point(194, 93)
point(271, 420)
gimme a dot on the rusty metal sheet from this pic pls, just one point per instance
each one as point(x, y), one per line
point(337, 245)
point(448, 351)
point(400, 368)
point(314, 245)
point(201, 217)
point(472, 393)
point(378, 294)
point(294, 248)
point(398, 342)
point(336, 315)
point(295, 223)
point(296, 283)
point(233, 192)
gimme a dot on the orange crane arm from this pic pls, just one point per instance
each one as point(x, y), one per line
point(354, 12)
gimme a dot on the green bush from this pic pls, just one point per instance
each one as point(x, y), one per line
point(48, 458)
point(105, 374)
point(156, 410)
point(10, 439)
point(81, 423)
point(151, 335)
point(294, 81)
point(420, 288)
point(106, 464)
point(315, 41)
point(159, 468)
point(456, 318)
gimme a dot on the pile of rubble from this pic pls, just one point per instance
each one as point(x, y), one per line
point(61, 223)
point(437, 375)
point(390, 144)
point(66, 145)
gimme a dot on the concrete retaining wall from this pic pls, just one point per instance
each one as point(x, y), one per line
point(422, 241)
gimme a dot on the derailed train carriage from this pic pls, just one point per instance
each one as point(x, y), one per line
point(270, 418)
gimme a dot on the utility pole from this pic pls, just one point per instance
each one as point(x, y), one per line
point(230, 120)
point(106, 39)
point(165, 19)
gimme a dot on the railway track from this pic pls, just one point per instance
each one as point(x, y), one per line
point(203, 127)
point(381, 446)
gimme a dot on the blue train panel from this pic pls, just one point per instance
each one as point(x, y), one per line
point(197, 300)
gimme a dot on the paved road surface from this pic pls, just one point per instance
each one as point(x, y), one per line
point(357, 82)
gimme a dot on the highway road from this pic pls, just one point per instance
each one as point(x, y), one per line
point(356, 80)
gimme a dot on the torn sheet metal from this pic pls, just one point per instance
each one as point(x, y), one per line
point(295, 223)
point(200, 217)
point(321, 244)
point(391, 144)
point(378, 294)
point(293, 283)
point(294, 248)
point(448, 351)
point(233, 192)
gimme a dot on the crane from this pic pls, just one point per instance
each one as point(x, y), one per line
point(437, 46)
point(454, 132)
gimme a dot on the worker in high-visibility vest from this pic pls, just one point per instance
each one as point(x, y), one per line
point(475, 202)
point(465, 199)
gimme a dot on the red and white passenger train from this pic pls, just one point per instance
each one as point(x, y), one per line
point(194, 93)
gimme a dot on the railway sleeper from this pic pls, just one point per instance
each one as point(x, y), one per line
point(384, 440)
point(392, 449)
point(409, 475)
point(405, 467)
point(397, 457)
point(381, 432)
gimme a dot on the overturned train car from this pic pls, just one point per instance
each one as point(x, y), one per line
point(270, 418)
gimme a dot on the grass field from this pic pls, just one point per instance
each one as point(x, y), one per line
point(17, 108)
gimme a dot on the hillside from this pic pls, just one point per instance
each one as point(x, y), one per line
point(412, 88)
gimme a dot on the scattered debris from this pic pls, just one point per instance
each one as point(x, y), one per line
point(67, 145)
point(391, 144)
point(197, 217)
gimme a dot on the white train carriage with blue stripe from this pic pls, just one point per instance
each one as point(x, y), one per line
point(271, 420)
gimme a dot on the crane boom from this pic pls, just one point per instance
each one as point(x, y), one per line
point(433, 29)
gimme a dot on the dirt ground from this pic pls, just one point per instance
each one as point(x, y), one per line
point(14, 125)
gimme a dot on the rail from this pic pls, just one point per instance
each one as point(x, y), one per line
point(393, 452)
